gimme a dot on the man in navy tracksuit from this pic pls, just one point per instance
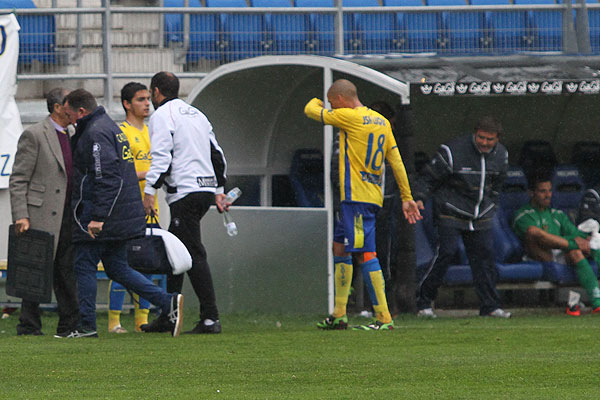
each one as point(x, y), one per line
point(108, 211)
point(464, 178)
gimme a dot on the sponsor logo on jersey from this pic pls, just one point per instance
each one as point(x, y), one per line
point(371, 178)
point(206, 181)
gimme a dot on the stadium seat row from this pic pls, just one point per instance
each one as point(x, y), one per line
point(462, 32)
point(233, 36)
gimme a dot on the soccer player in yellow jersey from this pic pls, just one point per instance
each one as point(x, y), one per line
point(135, 99)
point(366, 140)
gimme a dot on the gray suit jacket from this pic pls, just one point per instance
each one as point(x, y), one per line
point(38, 183)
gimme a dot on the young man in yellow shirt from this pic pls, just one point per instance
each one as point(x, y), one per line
point(135, 99)
point(366, 141)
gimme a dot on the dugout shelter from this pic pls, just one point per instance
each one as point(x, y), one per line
point(281, 259)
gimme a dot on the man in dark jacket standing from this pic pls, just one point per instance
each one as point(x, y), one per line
point(108, 211)
point(464, 177)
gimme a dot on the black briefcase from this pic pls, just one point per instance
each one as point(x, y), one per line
point(30, 265)
point(148, 255)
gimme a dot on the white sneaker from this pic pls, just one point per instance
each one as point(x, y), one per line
point(500, 313)
point(118, 329)
point(176, 313)
point(426, 313)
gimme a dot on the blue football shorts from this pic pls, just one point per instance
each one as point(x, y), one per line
point(355, 226)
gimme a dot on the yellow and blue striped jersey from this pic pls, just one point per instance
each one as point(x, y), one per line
point(139, 142)
point(366, 140)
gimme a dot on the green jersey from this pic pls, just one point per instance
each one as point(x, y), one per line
point(550, 220)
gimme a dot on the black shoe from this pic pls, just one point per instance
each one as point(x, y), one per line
point(77, 333)
point(203, 327)
point(36, 332)
point(160, 324)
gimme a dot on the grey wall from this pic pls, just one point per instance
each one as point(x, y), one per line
point(277, 262)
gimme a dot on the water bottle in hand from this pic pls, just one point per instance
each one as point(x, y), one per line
point(229, 224)
point(231, 197)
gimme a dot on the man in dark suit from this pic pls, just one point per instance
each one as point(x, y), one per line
point(40, 194)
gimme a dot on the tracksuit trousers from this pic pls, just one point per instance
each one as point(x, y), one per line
point(186, 215)
point(479, 246)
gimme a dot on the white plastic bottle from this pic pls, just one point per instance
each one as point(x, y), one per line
point(231, 197)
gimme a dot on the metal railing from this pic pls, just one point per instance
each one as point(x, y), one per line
point(110, 44)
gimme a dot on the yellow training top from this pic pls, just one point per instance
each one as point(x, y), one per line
point(366, 140)
point(139, 141)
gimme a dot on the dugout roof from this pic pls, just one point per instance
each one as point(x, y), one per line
point(256, 105)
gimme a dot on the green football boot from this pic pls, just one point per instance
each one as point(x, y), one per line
point(333, 323)
point(375, 326)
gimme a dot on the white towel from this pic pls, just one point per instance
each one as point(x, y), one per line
point(591, 226)
point(177, 253)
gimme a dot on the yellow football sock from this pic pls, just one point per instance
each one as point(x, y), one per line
point(343, 283)
point(376, 286)
point(114, 319)
point(141, 318)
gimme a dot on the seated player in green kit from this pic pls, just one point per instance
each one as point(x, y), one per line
point(549, 235)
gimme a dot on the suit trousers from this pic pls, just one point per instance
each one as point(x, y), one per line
point(65, 287)
point(479, 246)
point(186, 215)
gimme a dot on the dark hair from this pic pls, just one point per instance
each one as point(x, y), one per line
point(167, 83)
point(383, 108)
point(81, 98)
point(538, 176)
point(55, 96)
point(129, 90)
point(489, 124)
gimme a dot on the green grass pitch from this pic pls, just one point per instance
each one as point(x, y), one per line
point(534, 355)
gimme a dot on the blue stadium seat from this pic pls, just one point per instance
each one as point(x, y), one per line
point(567, 190)
point(306, 177)
point(423, 250)
point(37, 37)
point(508, 256)
point(205, 29)
point(563, 274)
point(514, 192)
point(546, 26)
point(510, 31)
point(419, 31)
point(369, 32)
point(594, 24)
point(465, 30)
point(243, 34)
point(586, 157)
point(322, 28)
point(174, 23)
point(289, 33)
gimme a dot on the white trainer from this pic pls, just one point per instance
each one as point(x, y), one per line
point(500, 313)
point(176, 313)
point(118, 329)
point(426, 313)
